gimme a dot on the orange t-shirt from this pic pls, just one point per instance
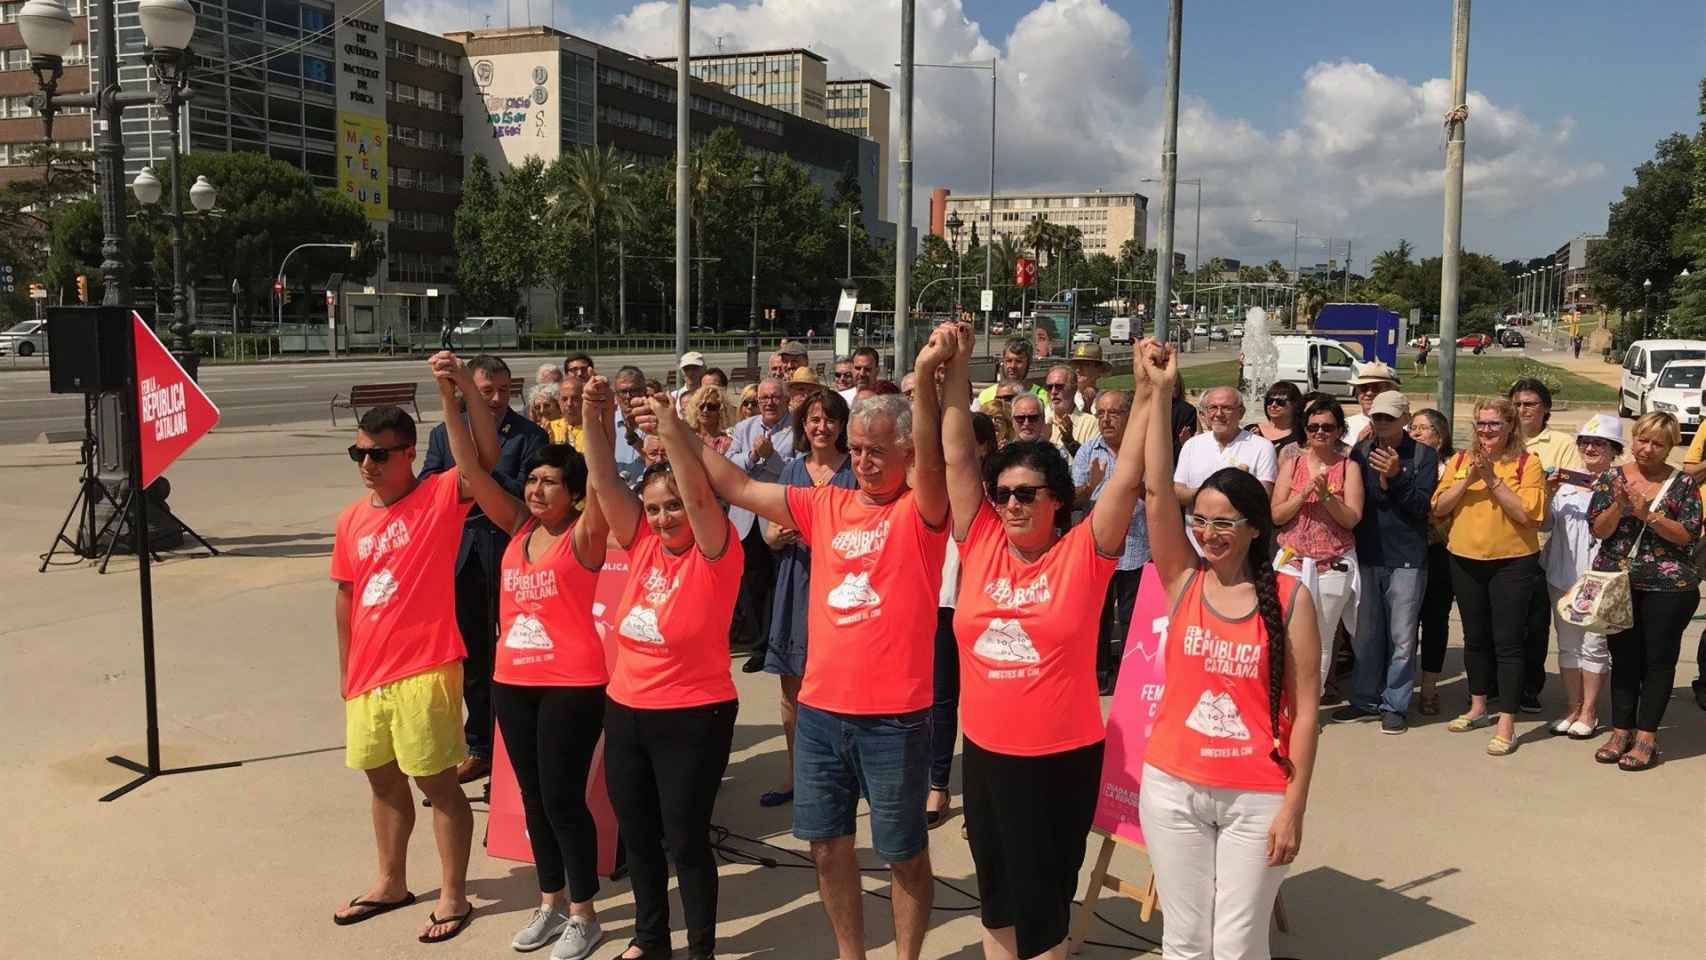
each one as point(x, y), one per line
point(401, 562)
point(1213, 727)
point(1027, 639)
point(672, 626)
point(875, 577)
point(546, 636)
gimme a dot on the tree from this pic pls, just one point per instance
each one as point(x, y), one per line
point(1640, 235)
point(1390, 265)
point(591, 187)
point(28, 208)
point(1688, 316)
point(477, 246)
point(1278, 272)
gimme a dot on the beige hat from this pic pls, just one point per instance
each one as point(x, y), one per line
point(1392, 403)
point(692, 358)
point(792, 348)
point(1375, 371)
point(1089, 353)
point(803, 377)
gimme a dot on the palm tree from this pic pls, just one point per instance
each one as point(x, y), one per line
point(594, 188)
point(1389, 263)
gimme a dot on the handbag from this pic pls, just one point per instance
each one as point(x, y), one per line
point(1599, 601)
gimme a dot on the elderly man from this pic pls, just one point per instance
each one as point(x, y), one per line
point(794, 355)
point(1030, 424)
point(548, 373)
point(1091, 467)
point(778, 366)
point(1372, 379)
point(1398, 477)
point(760, 446)
point(866, 364)
point(1069, 429)
point(481, 552)
point(568, 428)
point(1015, 365)
point(1088, 364)
point(633, 422)
point(1226, 444)
point(843, 375)
point(863, 726)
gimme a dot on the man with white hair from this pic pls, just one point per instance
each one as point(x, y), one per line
point(1226, 444)
point(548, 373)
point(1069, 427)
point(1029, 422)
point(863, 722)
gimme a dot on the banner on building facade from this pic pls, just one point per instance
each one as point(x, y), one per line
point(361, 163)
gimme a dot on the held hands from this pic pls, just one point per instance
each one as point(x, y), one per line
point(1142, 380)
point(944, 343)
point(598, 402)
point(449, 373)
point(1165, 362)
point(657, 415)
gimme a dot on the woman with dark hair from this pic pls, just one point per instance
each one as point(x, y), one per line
point(1283, 426)
point(549, 674)
point(1430, 427)
point(669, 715)
point(820, 429)
point(1027, 646)
point(1223, 819)
point(945, 708)
point(1317, 502)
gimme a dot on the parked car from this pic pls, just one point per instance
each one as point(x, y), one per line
point(1084, 335)
point(1219, 334)
point(1237, 333)
point(1643, 364)
point(1200, 330)
point(1475, 341)
point(1677, 392)
point(24, 339)
point(1509, 337)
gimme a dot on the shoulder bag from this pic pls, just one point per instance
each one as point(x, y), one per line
point(1599, 601)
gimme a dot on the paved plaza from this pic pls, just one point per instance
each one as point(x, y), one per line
point(1414, 846)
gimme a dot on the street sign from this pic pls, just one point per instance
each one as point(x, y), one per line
point(1024, 272)
point(988, 301)
point(367, 291)
point(173, 413)
point(432, 291)
point(861, 308)
point(38, 292)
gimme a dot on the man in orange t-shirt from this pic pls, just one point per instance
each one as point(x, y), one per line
point(400, 657)
point(863, 725)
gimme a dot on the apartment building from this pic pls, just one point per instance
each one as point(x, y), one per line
point(1575, 294)
point(792, 81)
point(20, 126)
point(861, 107)
point(1107, 220)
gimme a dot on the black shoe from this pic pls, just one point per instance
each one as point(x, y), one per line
point(1105, 685)
point(1330, 697)
point(1351, 712)
point(754, 663)
point(1530, 703)
point(1393, 723)
point(1700, 694)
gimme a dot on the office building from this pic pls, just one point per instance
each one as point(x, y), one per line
point(20, 126)
point(861, 107)
point(1107, 220)
point(789, 80)
point(1573, 293)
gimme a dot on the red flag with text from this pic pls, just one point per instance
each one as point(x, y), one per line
point(173, 411)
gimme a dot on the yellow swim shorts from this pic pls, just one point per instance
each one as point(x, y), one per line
point(416, 721)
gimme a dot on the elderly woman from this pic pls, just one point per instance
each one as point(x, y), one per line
point(1494, 495)
point(543, 407)
point(1582, 656)
point(1647, 515)
point(748, 403)
point(548, 373)
point(709, 414)
point(1317, 502)
point(1283, 426)
point(1429, 427)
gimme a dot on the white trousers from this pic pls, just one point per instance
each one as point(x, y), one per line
point(1209, 848)
point(1577, 648)
point(1335, 593)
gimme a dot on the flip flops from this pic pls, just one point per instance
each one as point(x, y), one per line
point(373, 908)
point(459, 923)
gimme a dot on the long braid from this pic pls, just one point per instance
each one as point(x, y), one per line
point(1273, 617)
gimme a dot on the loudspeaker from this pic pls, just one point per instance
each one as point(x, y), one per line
point(88, 349)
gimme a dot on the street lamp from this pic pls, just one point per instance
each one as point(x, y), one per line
point(955, 225)
point(1196, 238)
point(755, 187)
point(1295, 277)
point(167, 26)
point(1647, 289)
point(851, 213)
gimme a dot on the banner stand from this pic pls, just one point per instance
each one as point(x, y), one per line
point(139, 533)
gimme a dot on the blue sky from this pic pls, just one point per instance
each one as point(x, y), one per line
point(1578, 92)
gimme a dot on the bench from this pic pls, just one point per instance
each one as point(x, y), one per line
point(375, 394)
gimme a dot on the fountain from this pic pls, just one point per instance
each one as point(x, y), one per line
point(1261, 362)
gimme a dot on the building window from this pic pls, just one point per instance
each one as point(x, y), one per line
point(9, 12)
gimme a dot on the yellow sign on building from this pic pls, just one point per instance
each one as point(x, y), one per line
point(361, 163)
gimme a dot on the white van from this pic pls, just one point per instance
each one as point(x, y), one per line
point(486, 333)
point(1313, 363)
point(1642, 365)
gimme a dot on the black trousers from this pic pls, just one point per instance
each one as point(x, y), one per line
point(1494, 599)
point(1116, 621)
point(477, 620)
point(1536, 641)
point(753, 606)
point(550, 734)
point(663, 768)
point(1436, 610)
point(945, 706)
point(1643, 658)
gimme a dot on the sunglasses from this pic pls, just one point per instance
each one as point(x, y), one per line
point(1279, 401)
point(1322, 428)
point(1025, 494)
point(359, 453)
point(1587, 443)
point(710, 407)
point(1026, 417)
point(1214, 524)
point(1005, 397)
point(1489, 424)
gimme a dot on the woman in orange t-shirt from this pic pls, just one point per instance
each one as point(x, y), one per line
point(1029, 703)
point(549, 675)
point(1222, 813)
point(669, 718)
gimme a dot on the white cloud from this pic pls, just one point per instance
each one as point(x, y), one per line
point(1079, 108)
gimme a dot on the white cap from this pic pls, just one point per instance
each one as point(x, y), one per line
point(1605, 427)
point(692, 358)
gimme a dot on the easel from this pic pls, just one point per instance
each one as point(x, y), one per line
point(1144, 894)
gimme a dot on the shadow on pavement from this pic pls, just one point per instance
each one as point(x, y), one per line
point(312, 544)
point(1338, 915)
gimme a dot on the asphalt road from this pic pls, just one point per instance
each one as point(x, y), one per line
point(288, 392)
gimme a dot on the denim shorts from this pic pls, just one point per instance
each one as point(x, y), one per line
point(839, 757)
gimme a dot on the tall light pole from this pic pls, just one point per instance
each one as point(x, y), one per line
point(683, 137)
point(202, 196)
point(1452, 248)
point(989, 214)
point(755, 187)
point(955, 225)
point(851, 213)
point(1296, 276)
point(903, 218)
point(1169, 175)
point(1647, 311)
point(1196, 238)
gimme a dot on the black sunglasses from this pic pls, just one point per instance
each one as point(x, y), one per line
point(1026, 417)
point(1025, 494)
point(1322, 428)
point(1278, 398)
point(358, 452)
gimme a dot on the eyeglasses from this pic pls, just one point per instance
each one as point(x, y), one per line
point(359, 453)
point(1321, 428)
point(768, 398)
point(1110, 414)
point(1221, 408)
point(1489, 424)
point(1215, 524)
point(1053, 387)
point(1026, 417)
point(1370, 387)
point(1026, 494)
point(1279, 401)
point(1008, 397)
point(842, 376)
point(1590, 443)
point(1525, 404)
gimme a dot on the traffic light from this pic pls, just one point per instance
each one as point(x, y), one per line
point(82, 288)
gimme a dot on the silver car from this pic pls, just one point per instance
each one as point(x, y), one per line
point(24, 339)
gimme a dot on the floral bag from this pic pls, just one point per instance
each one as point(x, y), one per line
point(1599, 602)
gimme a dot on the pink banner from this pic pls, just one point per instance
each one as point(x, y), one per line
point(506, 825)
point(1131, 718)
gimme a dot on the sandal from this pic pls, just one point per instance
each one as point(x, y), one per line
point(776, 798)
point(1429, 706)
point(1500, 747)
point(1614, 748)
point(458, 925)
point(1642, 755)
point(933, 818)
point(655, 952)
point(372, 908)
point(1465, 723)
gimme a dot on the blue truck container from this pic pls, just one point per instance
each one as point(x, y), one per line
point(1374, 330)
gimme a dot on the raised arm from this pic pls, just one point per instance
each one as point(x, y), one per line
point(704, 514)
point(929, 470)
point(1168, 546)
point(1111, 517)
point(617, 503)
point(768, 500)
point(591, 533)
point(499, 505)
point(959, 440)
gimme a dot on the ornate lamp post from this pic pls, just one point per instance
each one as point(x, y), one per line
point(755, 187)
point(955, 225)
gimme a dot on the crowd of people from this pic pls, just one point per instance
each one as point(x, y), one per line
point(931, 570)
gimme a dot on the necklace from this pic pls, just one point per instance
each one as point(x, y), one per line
point(813, 469)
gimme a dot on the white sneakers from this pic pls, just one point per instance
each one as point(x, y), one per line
point(576, 936)
point(578, 939)
point(544, 927)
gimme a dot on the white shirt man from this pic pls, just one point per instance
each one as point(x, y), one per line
point(1224, 444)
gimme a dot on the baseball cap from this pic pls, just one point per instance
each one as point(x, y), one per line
point(1375, 371)
point(1392, 403)
point(792, 348)
point(1603, 426)
point(692, 358)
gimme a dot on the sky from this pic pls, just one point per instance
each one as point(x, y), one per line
point(1328, 113)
